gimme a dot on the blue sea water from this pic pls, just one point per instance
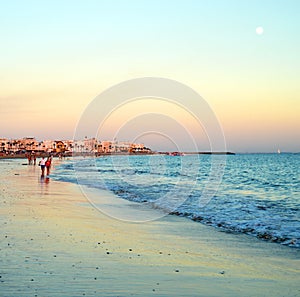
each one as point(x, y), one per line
point(256, 194)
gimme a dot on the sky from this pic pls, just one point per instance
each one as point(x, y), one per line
point(241, 57)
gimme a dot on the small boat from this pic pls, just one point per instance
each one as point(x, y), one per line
point(176, 154)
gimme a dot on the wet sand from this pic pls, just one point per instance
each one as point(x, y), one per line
point(54, 243)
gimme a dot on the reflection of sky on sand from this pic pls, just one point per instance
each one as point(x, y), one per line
point(44, 182)
point(120, 209)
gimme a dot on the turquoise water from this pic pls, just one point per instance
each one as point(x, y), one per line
point(259, 194)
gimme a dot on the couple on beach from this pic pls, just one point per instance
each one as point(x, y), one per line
point(45, 163)
point(31, 157)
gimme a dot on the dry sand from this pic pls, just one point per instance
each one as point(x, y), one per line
point(54, 243)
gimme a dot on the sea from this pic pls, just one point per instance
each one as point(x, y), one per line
point(254, 194)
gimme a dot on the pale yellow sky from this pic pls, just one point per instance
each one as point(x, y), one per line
point(54, 61)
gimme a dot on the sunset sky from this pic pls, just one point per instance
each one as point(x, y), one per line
point(242, 57)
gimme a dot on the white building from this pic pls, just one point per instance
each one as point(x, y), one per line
point(78, 146)
point(47, 145)
point(90, 145)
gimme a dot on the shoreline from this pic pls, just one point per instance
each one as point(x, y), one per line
point(54, 243)
point(92, 155)
point(39, 154)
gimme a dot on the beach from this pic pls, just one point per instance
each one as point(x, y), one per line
point(53, 242)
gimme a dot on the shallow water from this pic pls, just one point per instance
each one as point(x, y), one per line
point(257, 194)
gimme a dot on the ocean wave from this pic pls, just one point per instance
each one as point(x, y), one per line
point(261, 203)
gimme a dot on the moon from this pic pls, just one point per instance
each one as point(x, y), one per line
point(259, 30)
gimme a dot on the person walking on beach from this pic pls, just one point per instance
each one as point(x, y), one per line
point(34, 158)
point(29, 158)
point(42, 163)
point(48, 165)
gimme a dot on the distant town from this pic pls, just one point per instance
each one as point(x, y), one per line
point(69, 147)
